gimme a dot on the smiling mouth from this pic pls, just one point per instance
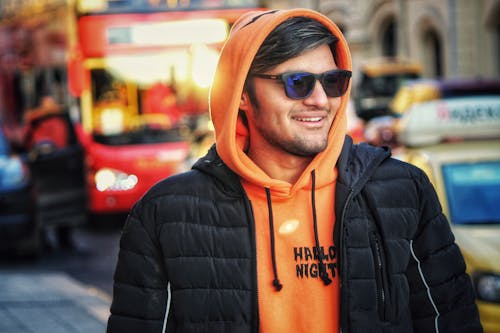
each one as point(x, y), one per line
point(308, 119)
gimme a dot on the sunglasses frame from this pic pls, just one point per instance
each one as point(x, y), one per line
point(340, 73)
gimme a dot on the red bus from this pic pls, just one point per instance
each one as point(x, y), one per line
point(133, 76)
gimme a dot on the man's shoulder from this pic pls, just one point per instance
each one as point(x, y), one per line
point(364, 156)
point(189, 182)
point(195, 184)
point(174, 193)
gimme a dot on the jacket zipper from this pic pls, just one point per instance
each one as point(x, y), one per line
point(250, 215)
point(343, 279)
point(379, 275)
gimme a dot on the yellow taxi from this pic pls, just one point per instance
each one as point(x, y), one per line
point(422, 90)
point(379, 80)
point(456, 141)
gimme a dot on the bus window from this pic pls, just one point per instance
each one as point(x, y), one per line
point(59, 84)
point(32, 85)
point(107, 89)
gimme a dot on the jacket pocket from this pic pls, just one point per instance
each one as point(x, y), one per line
point(380, 276)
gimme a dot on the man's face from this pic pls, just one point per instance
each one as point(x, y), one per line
point(293, 126)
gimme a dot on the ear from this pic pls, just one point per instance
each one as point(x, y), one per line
point(244, 101)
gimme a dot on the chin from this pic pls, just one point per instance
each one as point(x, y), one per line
point(307, 150)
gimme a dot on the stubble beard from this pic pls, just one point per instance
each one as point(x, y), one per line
point(298, 145)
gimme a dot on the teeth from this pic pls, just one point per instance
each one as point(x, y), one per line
point(314, 119)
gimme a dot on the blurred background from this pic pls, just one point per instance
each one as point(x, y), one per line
point(100, 99)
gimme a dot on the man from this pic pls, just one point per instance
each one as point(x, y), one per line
point(286, 226)
point(46, 125)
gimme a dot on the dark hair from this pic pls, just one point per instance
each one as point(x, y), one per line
point(289, 39)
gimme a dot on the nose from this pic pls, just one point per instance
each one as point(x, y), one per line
point(318, 97)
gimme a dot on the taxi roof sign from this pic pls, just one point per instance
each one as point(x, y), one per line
point(390, 66)
point(453, 118)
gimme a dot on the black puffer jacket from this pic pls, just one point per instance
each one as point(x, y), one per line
point(188, 252)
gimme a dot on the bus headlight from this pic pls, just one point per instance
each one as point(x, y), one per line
point(114, 180)
point(488, 287)
point(92, 5)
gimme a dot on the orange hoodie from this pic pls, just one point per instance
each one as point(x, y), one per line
point(292, 221)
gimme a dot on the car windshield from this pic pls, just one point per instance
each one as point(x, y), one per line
point(150, 97)
point(124, 114)
point(473, 192)
point(386, 85)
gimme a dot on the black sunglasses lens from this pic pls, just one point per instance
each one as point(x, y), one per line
point(299, 85)
point(336, 83)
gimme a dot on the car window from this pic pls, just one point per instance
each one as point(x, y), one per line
point(473, 192)
point(385, 85)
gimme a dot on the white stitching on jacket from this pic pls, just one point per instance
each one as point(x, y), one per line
point(167, 310)
point(436, 326)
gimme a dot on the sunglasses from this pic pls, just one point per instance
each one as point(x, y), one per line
point(300, 85)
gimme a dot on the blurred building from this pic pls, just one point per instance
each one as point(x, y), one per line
point(450, 38)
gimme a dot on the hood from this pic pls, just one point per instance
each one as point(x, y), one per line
point(245, 39)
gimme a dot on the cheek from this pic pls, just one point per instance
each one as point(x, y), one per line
point(335, 105)
point(272, 105)
point(270, 93)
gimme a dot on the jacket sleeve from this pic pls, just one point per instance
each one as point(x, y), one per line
point(442, 298)
point(140, 283)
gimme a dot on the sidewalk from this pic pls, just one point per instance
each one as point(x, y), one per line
point(50, 303)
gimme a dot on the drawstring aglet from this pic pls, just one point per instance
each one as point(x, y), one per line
point(277, 284)
point(326, 279)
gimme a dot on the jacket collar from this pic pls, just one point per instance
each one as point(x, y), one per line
point(213, 165)
point(355, 165)
point(357, 162)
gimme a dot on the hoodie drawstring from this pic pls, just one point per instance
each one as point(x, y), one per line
point(276, 282)
point(322, 269)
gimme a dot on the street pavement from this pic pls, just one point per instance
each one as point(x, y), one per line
point(50, 303)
